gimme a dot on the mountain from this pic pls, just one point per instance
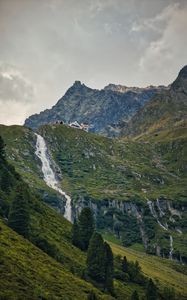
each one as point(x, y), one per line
point(166, 111)
point(137, 189)
point(103, 110)
point(135, 185)
point(47, 266)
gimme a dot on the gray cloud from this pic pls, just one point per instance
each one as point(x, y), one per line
point(52, 43)
point(16, 95)
point(13, 86)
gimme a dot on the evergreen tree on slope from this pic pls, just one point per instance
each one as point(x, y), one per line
point(18, 218)
point(86, 227)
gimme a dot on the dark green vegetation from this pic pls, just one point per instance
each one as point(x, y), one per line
point(29, 273)
point(83, 229)
point(116, 176)
point(135, 185)
point(135, 296)
point(26, 271)
point(100, 266)
point(151, 292)
point(99, 261)
point(165, 273)
point(46, 265)
point(19, 218)
point(105, 110)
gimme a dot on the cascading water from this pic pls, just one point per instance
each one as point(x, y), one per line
point(152, 209)
point(154, 214)
point(159, 207)
point(49, 175)
point(171, 248)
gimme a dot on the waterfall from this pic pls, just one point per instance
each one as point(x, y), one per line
point(159, 207)
point(171, 248)
point(154, 214)
point(152, 209)
point(49, 175)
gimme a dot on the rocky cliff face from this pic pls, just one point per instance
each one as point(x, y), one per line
point(166, 110)
point(104, 110)
point(157, 224)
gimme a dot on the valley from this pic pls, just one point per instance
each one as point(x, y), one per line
point(134, 183)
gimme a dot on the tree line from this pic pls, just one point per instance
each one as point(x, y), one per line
point(102, 266)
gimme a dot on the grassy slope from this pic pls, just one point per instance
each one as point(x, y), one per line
point(161, 270)
point(101, 167)
point(20, 150)
point(49, 225)
point(29, 273)
point(105, 168)
point(118, 167)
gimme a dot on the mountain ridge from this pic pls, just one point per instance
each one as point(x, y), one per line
point(165, 111)
point(104, 110)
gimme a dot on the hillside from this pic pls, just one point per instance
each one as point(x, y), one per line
point(165, 111)
point(116, 178)
point(46, 266)
point(103, 110)
point(29, 273)
point(162, 271)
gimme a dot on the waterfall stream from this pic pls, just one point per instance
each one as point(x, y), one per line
point(154, 214)
point(159, 208)
point(49, 175)
point(171, 248)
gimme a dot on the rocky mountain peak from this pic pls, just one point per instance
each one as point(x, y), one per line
point(180, 84)
point(77, 83)
point(183, 72)
point(77, 87)
point(124, 89)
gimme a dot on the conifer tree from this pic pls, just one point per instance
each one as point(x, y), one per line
point(151, 291)
point(18, 218)
point(96, 258)
point(109, 268)
point(86, 227)
point(75, 234)
point(2, 148)
point(134, 296)
point(169, 293)
point(91, 296)
point(124, 264)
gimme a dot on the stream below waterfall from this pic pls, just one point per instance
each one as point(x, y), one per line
point(49, 175)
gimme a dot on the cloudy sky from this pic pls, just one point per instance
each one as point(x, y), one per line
point(48, 44)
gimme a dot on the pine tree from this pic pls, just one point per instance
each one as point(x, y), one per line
point(134, 296)
point(18, 218)
point(96, 258)
point(169, 293)
point(151, 291)
point(91, 296)
point(86, 227)
point(109, 268)
point(76, 234)
point(124, 264)
point(2, 148)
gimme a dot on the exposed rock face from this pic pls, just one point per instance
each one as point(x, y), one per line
point(104, 110)
point(161, 210)
point(166, 110)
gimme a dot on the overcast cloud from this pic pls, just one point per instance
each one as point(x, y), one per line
point(48, 44)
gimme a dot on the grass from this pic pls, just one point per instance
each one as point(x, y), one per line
point(28, 273)
point(105, 168)
point(98, 169)
point(161, 270)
